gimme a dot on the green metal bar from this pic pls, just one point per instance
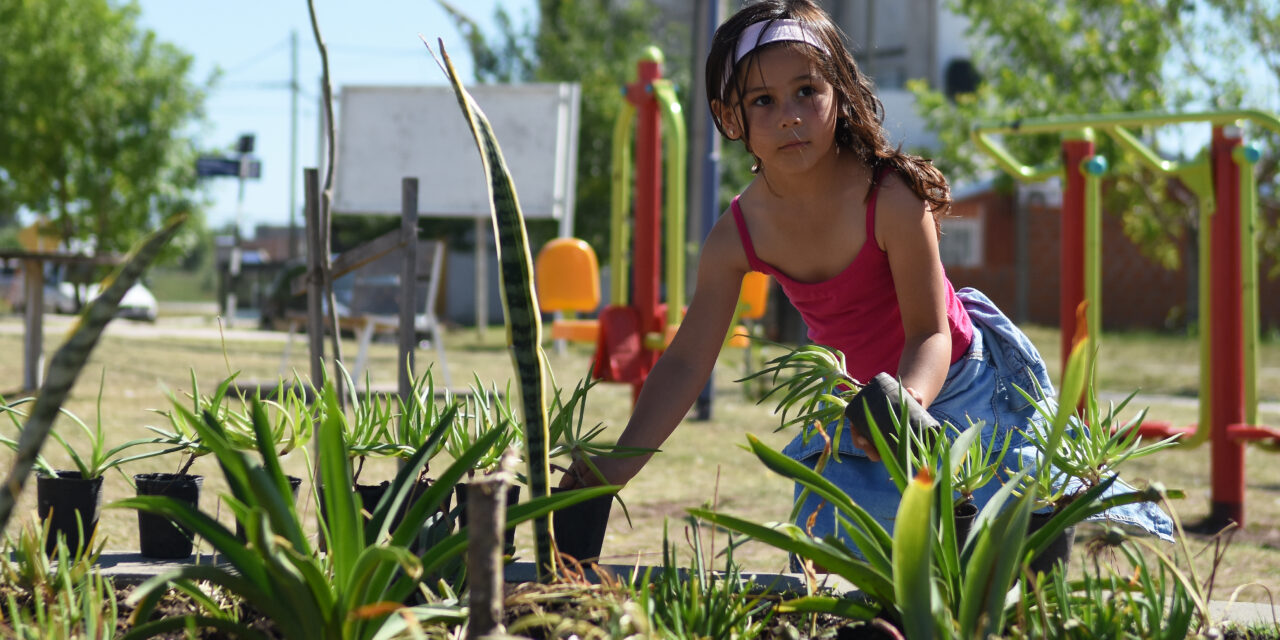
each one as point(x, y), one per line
point(1009, 163)
point(619, 205)
point(676, 143)
point(1094, 168)
point(1246, 156)
point(1031, 126)
point(1206, 325)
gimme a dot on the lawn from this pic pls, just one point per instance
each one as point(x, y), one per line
point(700, 465)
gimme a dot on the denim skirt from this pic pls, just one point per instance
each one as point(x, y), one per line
point(982, 386)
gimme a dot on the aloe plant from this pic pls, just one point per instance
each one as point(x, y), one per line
point(700, 604)
point(344, 593)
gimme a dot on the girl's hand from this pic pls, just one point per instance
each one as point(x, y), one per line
point(870, 447)
point(615, 471)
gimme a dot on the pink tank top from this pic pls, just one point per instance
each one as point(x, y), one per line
point(857, 310)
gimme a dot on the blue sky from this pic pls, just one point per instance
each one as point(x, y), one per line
point(372, 42)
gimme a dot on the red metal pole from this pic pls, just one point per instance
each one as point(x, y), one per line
point(647, 257)
point(1227, 342)
point(1071, 261)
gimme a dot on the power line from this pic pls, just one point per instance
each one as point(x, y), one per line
point(256, 58)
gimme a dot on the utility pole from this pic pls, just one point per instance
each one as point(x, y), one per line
point(293, 147)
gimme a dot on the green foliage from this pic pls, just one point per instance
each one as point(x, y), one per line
point(92, 463)
point(923, 577)
point(344, 593)
point(1040, 59)
point(597, 45)
point(700, 604)
point(67, 597)
point(95, 121)
point(482, 411)
point(1145, 601)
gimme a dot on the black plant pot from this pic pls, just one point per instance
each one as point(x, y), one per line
point(68, 500)
point(513, 497)
point(159, 537)
point(965, 512)
point(368, 496)
point(294, 483)
point(1058, 550)
point(579, 529)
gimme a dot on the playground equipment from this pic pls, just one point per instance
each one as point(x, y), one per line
point(1223, 180)
point(636, 325)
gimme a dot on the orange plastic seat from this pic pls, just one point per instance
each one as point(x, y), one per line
point(567, 275)
point(754, 296)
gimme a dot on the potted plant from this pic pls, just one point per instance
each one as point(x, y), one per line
point(290, 424)
point(72, 498)
point(579, 530)
point(481, 411)
point(157, 536)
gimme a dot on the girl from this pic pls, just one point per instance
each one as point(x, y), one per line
point(848, 226)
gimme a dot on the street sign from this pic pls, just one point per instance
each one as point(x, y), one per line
point(208, 166)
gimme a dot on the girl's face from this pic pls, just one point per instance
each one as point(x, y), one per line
point(790, 109)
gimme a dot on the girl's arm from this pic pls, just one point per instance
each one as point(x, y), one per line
point(905, 228)
point(679, 375)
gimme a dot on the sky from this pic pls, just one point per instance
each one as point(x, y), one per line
point(372, 42)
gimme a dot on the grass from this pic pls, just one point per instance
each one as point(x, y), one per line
point(701, 464)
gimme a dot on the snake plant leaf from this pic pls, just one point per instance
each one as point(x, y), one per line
point(70, 358)
point(519, 300)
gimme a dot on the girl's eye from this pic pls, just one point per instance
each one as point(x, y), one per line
point(806, 91)
point(761, 101)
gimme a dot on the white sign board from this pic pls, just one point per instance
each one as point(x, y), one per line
point(388, 133)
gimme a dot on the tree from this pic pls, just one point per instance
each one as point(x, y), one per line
point(92, 121)
point(1089, 56)
point(595, 44)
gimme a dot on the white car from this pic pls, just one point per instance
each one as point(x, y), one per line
point(138, 302)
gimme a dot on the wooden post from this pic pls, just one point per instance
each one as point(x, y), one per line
point(486, 520)
point(33, 317)
point(315, 275)
point(408, 286)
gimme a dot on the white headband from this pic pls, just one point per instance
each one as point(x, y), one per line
point(783, 30)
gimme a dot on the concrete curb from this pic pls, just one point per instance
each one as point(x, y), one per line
point(132, 568)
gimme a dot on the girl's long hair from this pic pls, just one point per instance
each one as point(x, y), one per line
point(860, 123)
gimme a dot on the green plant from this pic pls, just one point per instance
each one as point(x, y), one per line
point(345, 592)
point(421, 418)
point(481, 411)
point(519, 301)
point(700, 604)
point(93, 463)
point(571, 438)
point(1090, 451)
point(67, 597)
point(1159, 602)
point(922, 577)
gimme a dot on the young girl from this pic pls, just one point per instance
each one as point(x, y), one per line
point(848, 226)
